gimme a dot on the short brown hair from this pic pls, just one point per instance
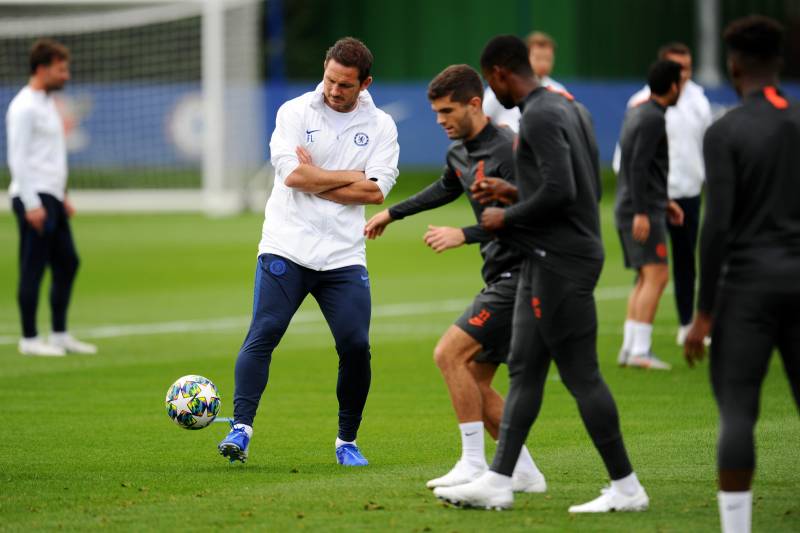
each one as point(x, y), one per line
point(350, 52)
point(45, 51)
point(461, 82)
point(540, 38)
point(673, 48)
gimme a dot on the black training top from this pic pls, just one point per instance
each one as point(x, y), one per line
point(490, 153)
point(751, 230)
point(642, 180)
point(558, 175)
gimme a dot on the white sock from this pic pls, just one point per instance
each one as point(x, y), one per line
point(498, 481)
point(472, 443)
point(247, 429)
point(642, 339)
point(525, 464)
point(627, 339)
point(629, 485)
point(735, 511)
point(340, 442)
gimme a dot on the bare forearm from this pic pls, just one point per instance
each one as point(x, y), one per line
point(314, 180)
point(358, 193)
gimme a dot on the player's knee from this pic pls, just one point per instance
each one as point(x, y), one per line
point(444, 356)
point(354, 347)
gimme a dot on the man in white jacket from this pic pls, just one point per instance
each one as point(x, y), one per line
point(333, 151)
point(687, 122)
point(37, 158)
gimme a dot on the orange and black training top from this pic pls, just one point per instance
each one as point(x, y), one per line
point(751, 230)
point(556, 220)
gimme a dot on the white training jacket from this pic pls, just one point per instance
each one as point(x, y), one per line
point(311, 231)
point(687, 122)
point(37, 150)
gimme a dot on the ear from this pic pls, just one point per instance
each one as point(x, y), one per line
point(366, 83)
point(475, 103)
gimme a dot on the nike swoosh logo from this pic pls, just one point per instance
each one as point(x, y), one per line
point(309, 132)
point(470, 434)
point(364, 278)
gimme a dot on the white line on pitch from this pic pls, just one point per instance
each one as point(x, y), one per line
point(302, 317)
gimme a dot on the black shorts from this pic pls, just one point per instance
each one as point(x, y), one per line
point(488, 318)
point(651, 252)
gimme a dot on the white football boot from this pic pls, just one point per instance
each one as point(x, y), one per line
point(71, 345)
point(528, 482)
point(613, 500)
point(490, 491)
point(463, 472)
point(37, 347)
point(649, 361)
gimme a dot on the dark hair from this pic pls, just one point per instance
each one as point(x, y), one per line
point(45, 51)
point(508, 51)
point(676, 48)
point(662, 75)
point(756, 39)
point(350, 52)
point(461, 82)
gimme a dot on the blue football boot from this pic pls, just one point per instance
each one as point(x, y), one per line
point(234, 446)
point(350, 455)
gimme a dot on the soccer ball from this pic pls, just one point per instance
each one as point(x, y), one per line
point(193, 402)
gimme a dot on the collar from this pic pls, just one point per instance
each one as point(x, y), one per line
point(531, 95)
point(487, 133)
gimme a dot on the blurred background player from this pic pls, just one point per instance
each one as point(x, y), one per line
point(687, 122)
point(333, 151)
point(542, 56)
point(470, 351)
point(642, 208)
point(749, 254)
point(37, 158)
point(556, 224)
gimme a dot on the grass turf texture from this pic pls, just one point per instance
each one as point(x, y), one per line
point(86, 443)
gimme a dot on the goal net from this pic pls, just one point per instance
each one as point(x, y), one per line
point(164, 109)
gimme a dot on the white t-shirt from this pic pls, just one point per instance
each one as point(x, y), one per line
point(37, 150)
point(313, 232)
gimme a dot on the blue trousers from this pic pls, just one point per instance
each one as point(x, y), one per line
point(343, 296)
point(54, 247)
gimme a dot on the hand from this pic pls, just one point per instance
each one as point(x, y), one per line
point(674, 213)
point(68, 207)
point(694, 348)
point(641, 228)
point(493, 218)
point(375, 225)
point(303, 155)
point(36, 218)
point(441, 238)
point(490, 190)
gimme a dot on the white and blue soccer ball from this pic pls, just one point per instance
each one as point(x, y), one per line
point(193, 402)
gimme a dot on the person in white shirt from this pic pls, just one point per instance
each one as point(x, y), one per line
point(542, 55)
point(37, 159)
point(333, 152)
point(686, 125)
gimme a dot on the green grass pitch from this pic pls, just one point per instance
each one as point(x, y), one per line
point(86, 443)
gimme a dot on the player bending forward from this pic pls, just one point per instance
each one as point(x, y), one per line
point(470, 351)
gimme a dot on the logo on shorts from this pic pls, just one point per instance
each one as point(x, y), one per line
point(365, 279)
point(361, 139)
point(480, 319)
point(537, 306)
point(661, 250)
point(277, 267)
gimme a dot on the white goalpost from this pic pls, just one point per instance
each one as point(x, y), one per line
point(164, 111)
